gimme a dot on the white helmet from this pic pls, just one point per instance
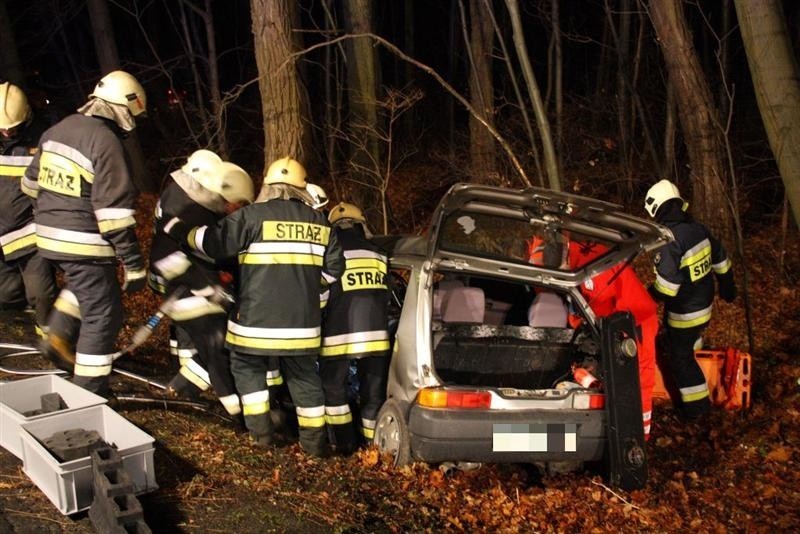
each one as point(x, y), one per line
point(318, 194)
point(286, 171)
point(14, 108)
point(229, 181)
point(658, 194)
point(345, 210)
point(119, 87)
point(201, 164)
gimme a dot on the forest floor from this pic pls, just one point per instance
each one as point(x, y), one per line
point(739, 474)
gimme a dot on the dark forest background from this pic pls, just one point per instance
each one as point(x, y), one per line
point(611, 120)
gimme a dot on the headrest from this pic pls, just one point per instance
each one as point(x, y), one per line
point(463, 305)
point(548, 311)
point(438, 295)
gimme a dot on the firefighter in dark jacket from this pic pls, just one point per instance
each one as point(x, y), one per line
point(21, 267)
point(685, 285)
point(285, 248)
point(201, 192)
point(355, 327)
point(85, 195)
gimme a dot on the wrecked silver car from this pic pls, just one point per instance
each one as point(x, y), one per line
point(484, 357)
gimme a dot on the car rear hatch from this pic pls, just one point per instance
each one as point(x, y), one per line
point(491, 230)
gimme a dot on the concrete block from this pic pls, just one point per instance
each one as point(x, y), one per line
point(72, 444)
point(52, 402)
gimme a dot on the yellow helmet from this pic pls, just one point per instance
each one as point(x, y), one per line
point(229, 181)
point(345, 210)
point(200, 164)
point(14, 108)
point(318, 194)
point(119, 87)
point(286, 171)
point(658, 194)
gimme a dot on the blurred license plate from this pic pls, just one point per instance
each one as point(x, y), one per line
point(540, 437)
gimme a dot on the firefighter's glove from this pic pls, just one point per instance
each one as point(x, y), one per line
point(177, 229)
point(216, 294)
point(135, 280)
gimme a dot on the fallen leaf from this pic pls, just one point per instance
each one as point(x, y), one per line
point(780, 454)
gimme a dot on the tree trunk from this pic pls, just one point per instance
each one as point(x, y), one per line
point(481, 89)
point(550, 161)
point(363, 82)
point(698, 118)
point(775, 73)
point(282, 101)
point(105, 47)
point(10, 65)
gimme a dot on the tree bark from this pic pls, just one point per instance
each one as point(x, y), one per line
point(283, 102)
point(550, 160)
point(363, 82)
point(775, 73)
point(698, 118)
point(481, 89)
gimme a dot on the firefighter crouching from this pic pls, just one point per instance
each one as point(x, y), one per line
point(201, 192)
point(84, 220)
point(21, 267)
point(284, 247)
point(683, 282)
point(355, 327)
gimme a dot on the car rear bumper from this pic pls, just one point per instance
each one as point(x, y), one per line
point(439, 435)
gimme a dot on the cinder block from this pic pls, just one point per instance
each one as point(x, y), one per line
point(72, 444)
point(105, 458)
point(52, 402)
point(126, 509)
point(139, 527)
point(112, 483)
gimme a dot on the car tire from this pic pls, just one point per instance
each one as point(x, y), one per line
point(391, 432)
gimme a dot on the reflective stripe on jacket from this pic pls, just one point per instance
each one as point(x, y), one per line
point(17, 230)
point(356, 323)
point(683, 273)
point(284, 249)
point(85, 194)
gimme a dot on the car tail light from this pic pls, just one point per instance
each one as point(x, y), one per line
point(442, 398)
point(588, 401)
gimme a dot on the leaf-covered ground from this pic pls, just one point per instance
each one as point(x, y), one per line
point(739, 473)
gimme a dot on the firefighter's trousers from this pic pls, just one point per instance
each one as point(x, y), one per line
point(36, 275)
point(302, 379)
point(372, 373)
point(209, 364)
point(685, 372)
point(89, 310)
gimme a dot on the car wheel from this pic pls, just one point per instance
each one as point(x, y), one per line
point(391, 432)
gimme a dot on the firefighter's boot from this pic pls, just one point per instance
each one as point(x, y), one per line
point(315, 441)
point(58, 351)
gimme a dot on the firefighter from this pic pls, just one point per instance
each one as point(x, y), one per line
point(619, 289)
point(201, 192)
point(684, 284)
point(85, 195)
point(355, 328)
point(24, 274)
point(284, 248)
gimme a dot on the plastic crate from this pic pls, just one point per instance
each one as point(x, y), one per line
point(22, 396)
point(68, 485)
point(712, 363)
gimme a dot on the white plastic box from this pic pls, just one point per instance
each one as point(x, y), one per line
point(22, 396)
point(68, 485)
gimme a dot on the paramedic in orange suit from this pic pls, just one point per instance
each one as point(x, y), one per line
point(609, 292)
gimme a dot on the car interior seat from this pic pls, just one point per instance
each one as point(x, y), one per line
point(548, 310)
point(463, 305)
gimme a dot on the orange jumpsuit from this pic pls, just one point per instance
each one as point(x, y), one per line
point(625, 293)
